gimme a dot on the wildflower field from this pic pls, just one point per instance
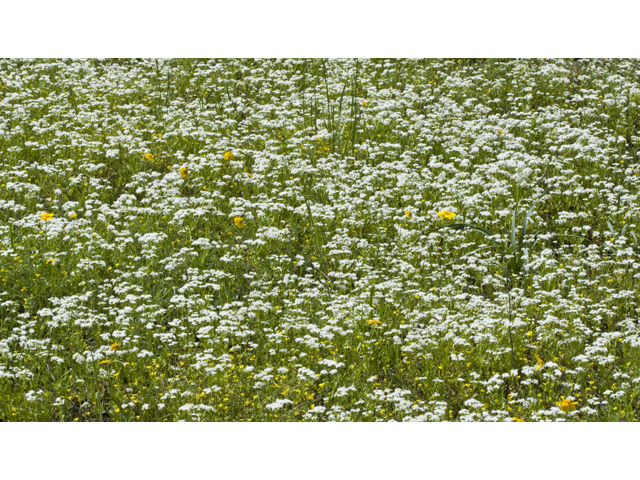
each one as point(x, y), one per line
point(319, 240)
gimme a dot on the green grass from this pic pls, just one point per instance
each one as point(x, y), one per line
point(339, 295)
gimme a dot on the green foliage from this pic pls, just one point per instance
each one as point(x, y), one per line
point(259, 240)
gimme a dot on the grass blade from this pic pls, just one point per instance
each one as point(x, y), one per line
point(469, 253)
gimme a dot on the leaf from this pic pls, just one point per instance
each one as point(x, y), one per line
point(524, 225)
point(513, 224)
point(541, 179)
point(569, 235)
point(526, 217)
point(623, 229)
point(525, 256)
point(469, 253)
point(534, 243)
point(462, 226)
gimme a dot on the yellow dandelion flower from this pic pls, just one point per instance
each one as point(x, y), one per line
point(517, 419)
point(239, 221)
point(184, 172)
point(73, 215)
point(374, 322)
point(51, 260)
point(567, 405)
point(540, 362)
point(228, 156)
point(149, 156)
point(408, 213)
point(115, 346)
point(46, 216)
point(448, 215)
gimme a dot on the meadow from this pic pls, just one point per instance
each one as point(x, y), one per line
point(319, 240)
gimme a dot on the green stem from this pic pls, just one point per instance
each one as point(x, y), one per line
point(509, 286)
point(98, 400)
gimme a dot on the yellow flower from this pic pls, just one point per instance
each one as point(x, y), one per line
point(567, 405)
point(149, 156)
point(104, 362)
point(364, 104)
point(239, 221)
point(374, 322)
point(73, 215)
point(228, 156)
point(540, 363)
point(115, 346)
point(184, 172)
point(51, 260)
point(46, 216)
point(408, 213)
point(447, 215)
point(517, 419)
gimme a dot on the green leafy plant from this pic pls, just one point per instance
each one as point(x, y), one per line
point(615, 236)
point(512, 256)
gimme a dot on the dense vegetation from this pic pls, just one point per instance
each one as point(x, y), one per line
point(295, 240)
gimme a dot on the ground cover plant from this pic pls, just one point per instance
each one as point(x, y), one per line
point(319, 240)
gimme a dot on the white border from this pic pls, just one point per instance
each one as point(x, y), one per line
point(331, 28)
point(317, 451)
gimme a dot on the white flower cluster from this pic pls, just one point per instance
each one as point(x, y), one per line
point(236, 237)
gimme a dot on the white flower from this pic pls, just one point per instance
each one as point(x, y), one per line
point(278, 404)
